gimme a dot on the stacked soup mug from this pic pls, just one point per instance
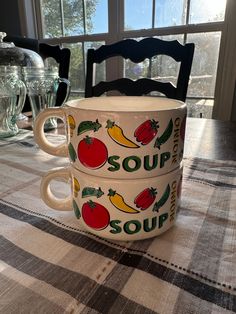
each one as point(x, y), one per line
point(125, 166)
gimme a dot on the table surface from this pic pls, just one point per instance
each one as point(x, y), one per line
point(208, 138)
point(50, 264)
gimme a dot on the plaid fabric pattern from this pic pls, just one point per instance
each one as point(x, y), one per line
point(49, 264)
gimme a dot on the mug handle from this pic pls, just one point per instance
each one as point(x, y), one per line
point(48, 197)
point(21, 100)
point(39, 135)
point(68, 87)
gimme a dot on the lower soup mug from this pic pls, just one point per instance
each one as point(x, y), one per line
point(118, 209)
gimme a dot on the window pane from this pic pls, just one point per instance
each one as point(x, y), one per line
point(73, 17)
point(138, 14)
point(52, 23)
point(100, 71)
point(203, 74)
point(78, 62)
point(203, 11)
point(200, 108)
point(76, 74)
point(165, 68)
point(51, 63)
point(67, 17)
point(96, 17)
point(170, 13)
point(91, 12)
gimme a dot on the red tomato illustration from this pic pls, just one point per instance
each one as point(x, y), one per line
point(146, 131)
point(95, 215)
point(182, 128)
point(145, 198)
point(92, 152)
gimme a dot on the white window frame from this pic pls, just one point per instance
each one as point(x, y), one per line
point(224, 98)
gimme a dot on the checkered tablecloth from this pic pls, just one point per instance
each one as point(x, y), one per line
point(48, 264)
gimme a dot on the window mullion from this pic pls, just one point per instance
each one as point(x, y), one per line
point(62, 18)
point(149, 74)
point(187, 5)
point(84, 59)
point(186, 18)
point(114, 66)
point(153, 13)
point(175, 30)
point(38, 16)
point(84, 17)
point(31, 26)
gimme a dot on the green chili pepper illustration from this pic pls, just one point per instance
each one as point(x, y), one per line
point(88, 191)
point(76, 209)
point(85, 126)
point(165, 135)
point(72, 152)
point(162, 200)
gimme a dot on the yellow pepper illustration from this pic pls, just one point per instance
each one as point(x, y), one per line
point(118, 201)
point(71, 123)
point(76, 187)
point(117, 135)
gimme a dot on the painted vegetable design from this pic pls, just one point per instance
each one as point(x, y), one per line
point(146, 132)
point(72, 152)
point(118, 201)
point(76, 187)
point(85, 126)
point(182, 128)
point(95, 215)
point(145, 198)
point(71, 124)
point(117, 135)
point(76, 210)
point(162, 200)
point(89, 191)
point(165, 135)
point(92, 152)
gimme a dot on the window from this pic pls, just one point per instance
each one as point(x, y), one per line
point(81, 24)
point(73, 17)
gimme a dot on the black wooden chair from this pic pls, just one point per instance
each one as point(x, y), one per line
point(23, 42)
point(137, 51)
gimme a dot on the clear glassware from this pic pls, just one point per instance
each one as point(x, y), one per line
point(12, 99)
point(12, 55)
point(42, 85)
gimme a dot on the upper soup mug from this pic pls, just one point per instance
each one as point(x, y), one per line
point(123, 137)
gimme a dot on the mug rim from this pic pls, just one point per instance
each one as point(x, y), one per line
point(155, 104)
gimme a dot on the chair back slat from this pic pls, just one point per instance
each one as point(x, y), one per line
point(138, 51)
point(138, 88)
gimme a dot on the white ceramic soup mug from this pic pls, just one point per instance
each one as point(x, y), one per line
point(122, 137)
point(118, 209)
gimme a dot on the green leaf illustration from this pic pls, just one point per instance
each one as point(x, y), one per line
point(165, 135)
point(76, 210)
point(85, 126)
point(162, 200)
point(88, 191)
point(72, 152)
